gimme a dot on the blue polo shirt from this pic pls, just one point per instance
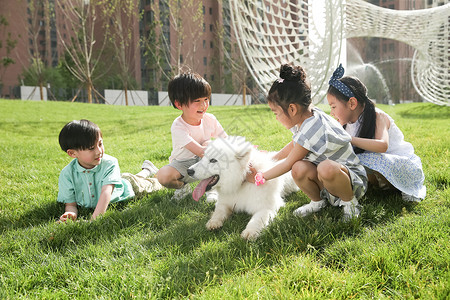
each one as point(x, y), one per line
point(83, 186)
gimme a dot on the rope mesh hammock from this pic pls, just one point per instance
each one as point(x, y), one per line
point(312, 33)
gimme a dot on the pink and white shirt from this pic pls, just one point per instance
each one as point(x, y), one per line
point(184, 133)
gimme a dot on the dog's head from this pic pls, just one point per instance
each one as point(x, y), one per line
point(225, 162)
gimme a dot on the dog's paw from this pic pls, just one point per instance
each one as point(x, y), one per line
point(214, 224)
point(250, 234)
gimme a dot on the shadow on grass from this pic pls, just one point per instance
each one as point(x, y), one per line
point(152, 213)
point(176, 232)
point(38, 215)
point(441, 181)
point(207, 256)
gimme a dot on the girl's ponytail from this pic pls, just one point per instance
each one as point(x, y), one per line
point(368, 120)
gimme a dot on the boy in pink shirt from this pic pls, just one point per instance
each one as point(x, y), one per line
point(191, 132)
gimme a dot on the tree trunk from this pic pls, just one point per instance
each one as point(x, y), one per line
point(89, 92)
point(41, 91)
point(126, 96)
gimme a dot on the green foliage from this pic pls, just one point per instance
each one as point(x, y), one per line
point(152, 247)
point(59, 78)
point(121, 15)
point(9, 43)
point(6, 61)
point(36, 73)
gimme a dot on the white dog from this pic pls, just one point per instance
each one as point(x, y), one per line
point(225, 165)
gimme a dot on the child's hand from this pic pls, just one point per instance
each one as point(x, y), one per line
point(251, 174)
point(68, 215)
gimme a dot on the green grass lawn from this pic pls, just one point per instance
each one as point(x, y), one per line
point(152, 247)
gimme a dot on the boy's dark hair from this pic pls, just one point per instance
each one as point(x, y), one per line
point(186, 87)
point(291, 87)
point(79, 135)
point(368, 116)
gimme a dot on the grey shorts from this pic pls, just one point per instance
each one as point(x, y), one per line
point(182, 165)
point(359, 187)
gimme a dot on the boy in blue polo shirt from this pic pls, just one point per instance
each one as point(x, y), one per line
point(92, 178)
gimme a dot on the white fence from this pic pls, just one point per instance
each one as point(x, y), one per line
point(135, 98)
point(163, 99)
point(139, 98)
point(230, 99)
point(32, 93)
point(216, 99)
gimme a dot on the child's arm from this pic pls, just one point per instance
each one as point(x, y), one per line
point(297, 153)
point(381, 141)
point(196, 148)
point(71, 212)
point(103, 201)
point(283, 153)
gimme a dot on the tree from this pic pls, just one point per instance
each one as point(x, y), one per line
point(8, 44)
point(39, 13)
point(234, 72)
point(166, 53)
point(120, 20)
point(85, 52)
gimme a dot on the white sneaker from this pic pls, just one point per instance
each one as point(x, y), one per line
point(311, 207)
point(182, 192)
point(410, 198)
point(350, 209)
point(212, 196)
point(150, 166)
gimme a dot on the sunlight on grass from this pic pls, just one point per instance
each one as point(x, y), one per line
point(152, 247)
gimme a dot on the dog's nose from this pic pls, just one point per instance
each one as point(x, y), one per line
point(190, 172)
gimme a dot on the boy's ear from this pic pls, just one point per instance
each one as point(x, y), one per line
point(72, 153)
point(177, 104)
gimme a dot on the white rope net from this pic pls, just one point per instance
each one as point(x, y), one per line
point(311, 34)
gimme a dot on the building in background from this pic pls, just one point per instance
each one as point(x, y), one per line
point(167, 36)
point(195, 36)
point(32, 32)
point(30, 28)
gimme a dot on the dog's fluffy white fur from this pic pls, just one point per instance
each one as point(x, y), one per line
point(225, 165)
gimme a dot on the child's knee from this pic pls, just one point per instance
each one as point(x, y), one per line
point(328, 170)
point(163, 176)
point(166, 175)
point(301, 170)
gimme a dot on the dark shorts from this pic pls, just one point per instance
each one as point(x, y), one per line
point(182, 165)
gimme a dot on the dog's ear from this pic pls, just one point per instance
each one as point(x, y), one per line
point(243, 151)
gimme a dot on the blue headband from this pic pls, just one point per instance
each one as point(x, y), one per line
point(340, 86)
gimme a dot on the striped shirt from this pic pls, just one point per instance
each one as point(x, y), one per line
point(325, 138)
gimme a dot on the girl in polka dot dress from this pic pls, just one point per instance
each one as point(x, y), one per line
point(389, 160)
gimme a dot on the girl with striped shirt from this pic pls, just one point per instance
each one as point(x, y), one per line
point(320, 154)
